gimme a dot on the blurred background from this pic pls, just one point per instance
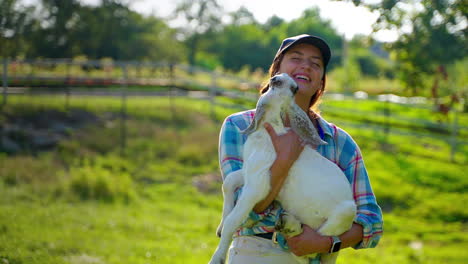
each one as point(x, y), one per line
point(110, 113)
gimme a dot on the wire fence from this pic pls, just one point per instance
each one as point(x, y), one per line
point(125, 79)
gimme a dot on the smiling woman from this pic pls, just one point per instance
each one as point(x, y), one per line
point(304, 63)
point(305, 59)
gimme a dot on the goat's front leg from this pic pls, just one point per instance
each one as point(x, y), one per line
point(288, 225)
point(232, 181)
point(251, 195)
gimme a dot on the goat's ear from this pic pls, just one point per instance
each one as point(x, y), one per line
point(302, 125)
point(259, 113)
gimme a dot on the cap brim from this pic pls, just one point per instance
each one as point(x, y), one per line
point(312, 40)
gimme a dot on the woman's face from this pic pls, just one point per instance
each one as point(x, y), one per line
point(303, 62)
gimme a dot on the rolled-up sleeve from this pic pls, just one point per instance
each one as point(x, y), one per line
point(369, 214)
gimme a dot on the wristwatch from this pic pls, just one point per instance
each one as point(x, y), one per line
point(336, 244)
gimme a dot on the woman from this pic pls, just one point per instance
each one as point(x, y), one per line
point(305, 59)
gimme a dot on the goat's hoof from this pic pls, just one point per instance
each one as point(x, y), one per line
point(288, 225)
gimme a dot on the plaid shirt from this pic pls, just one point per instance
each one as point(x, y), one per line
point(341, 150)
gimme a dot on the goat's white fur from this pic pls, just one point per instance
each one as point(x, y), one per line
point(316, 191)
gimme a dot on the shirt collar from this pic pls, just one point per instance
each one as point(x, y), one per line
point(325, 126)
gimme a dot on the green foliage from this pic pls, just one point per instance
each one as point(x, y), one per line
point(201, 16)
point(437, 36)
point(25, 169)
point(95, 182)
point(254, 45)
point(348, 76)
point(310, 22)
point(15, 24)
point(239, 45)
point(207, 61)
point(370, 55)
point(66, 29)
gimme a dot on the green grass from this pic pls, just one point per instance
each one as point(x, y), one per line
point(159, 200)
point(401, 116)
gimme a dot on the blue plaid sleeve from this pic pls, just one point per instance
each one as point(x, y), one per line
point(231, 143)
point(369, 214)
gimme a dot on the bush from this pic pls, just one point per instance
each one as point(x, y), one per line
point(19, 170)
point(96, 183)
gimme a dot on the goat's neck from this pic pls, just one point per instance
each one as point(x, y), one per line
point(273, 116)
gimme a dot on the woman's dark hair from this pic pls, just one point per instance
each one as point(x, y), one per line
point(274, 69)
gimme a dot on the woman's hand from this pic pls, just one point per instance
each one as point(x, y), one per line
point(310, 241)
point(288, 146)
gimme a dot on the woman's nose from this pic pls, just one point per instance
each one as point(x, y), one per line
point(306, 64)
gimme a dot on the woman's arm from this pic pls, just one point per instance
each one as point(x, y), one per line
point(310, 241)
point(367, 227)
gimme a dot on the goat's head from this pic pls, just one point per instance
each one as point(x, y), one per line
point(282, 85)
point(281, 92)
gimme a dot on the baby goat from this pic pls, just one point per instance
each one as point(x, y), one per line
point(316, 192)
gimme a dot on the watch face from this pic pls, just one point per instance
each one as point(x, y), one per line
point(336, 246)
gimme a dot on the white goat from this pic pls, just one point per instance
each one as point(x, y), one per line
point(315, 192)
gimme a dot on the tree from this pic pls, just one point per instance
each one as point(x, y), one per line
point(54, 36)
point(253, 45)
point(15, 22)
point(242, 16)
point(310, 22)
point(272, 22)
point(67, 29)
point(200, 17)
point(372, 60)
point(243, 45)
point(436, 36)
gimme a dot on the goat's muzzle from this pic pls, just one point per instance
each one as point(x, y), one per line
point(294, 89)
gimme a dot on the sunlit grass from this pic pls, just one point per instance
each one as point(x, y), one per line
point(159, 200)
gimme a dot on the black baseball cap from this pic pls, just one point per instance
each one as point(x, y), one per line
point(309, 39)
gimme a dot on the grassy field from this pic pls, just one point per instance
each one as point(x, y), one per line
point(159, 201)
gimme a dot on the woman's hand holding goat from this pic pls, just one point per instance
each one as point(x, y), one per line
point(308, 242)
point(288, 146)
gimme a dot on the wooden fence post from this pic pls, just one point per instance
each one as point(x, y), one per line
point(171, 91)
point(5, 81)
point(212, 95)
point(67, 86)
point(387, 119)
point(453, 140)
point(123, 110)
